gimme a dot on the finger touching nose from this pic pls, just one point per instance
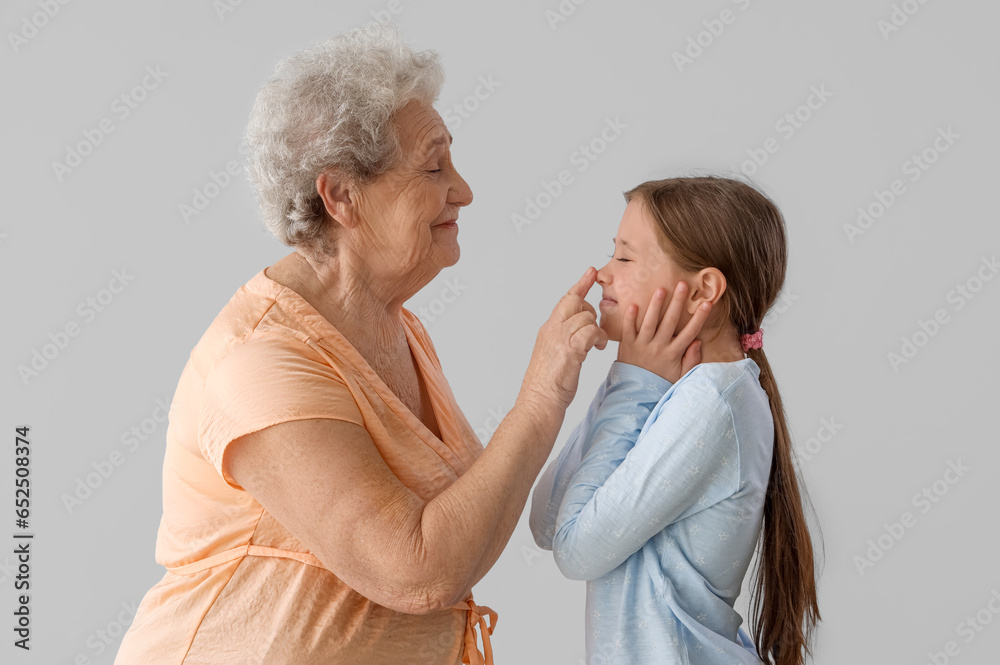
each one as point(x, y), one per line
point(583, 285)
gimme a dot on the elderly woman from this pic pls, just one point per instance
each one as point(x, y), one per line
point(324, 498)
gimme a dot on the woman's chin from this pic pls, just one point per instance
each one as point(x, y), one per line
point(447, 256)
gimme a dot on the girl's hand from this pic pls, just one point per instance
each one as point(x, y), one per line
point(653, 345)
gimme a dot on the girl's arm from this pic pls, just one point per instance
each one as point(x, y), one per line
point(631, 485)
point(552, 484)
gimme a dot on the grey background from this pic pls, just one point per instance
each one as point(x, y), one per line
point(847, 304)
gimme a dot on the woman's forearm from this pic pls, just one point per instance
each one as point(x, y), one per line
point(470, 523)
point(325, 481)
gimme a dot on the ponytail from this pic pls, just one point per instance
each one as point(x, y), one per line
point(729, 225)
point(783, 598)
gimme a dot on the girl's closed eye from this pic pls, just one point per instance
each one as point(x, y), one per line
point(623, 260)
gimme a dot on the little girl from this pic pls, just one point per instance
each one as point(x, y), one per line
point(661, 493)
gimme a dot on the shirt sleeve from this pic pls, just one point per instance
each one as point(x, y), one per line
point(637, 386)
point(631, 484)
point(263, 380)
point(555, 479)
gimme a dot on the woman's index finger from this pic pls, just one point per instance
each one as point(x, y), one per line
point(584, 284)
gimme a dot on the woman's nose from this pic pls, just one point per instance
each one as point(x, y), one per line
point(461, 193)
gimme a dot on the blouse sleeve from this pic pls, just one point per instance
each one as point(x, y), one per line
point(630, 484)
point(263, 380)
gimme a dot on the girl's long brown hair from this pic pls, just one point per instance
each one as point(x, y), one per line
point(729, 225)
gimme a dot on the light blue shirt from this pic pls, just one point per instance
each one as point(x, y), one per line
point(656, 500)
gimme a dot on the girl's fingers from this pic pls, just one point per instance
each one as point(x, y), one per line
point(652, 318)
point(692, 357)
point(672, 314)
point(693, 327)
point(628, 323)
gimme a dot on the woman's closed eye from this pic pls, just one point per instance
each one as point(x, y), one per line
point(623, 260)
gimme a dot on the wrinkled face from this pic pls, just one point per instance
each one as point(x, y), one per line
point(637, 267)
point(409, 213)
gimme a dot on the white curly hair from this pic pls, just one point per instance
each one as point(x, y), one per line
point(331, 106)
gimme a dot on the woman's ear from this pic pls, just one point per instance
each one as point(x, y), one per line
point(337, 194)
point(707, 285)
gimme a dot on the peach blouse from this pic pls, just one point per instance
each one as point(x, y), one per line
point(239, 588)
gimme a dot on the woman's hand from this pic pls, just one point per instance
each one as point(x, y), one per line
point(561, 347)
point(653, 345)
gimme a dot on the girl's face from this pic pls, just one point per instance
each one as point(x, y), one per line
point(636, 269)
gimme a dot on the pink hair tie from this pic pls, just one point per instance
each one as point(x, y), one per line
point(754, 341)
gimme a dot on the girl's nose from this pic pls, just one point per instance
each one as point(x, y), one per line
point(604, 274)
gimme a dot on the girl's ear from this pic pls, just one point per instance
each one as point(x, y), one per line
point(338, 198)
point(707, 285)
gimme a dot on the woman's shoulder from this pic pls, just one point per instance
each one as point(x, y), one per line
point(253, 317)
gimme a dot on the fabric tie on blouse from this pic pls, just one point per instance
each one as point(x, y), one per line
point(475, 615)
point(242, 551)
